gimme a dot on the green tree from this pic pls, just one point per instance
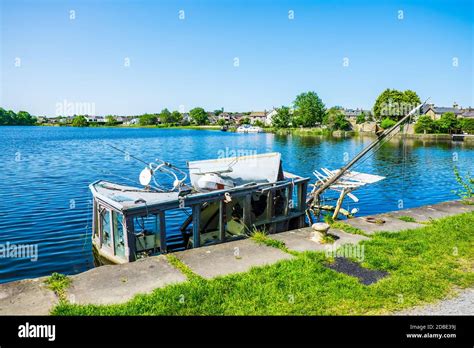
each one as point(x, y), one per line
point(6, 117)
point(387, 123)
point(393, 104)
point(467, 125)
point(218, 111)
point(10, 118)
point(110, 120)
point(176, 117)
point(165, 116)
point(199, 116)
point(282, 119)
point(448, 123)
point(411, 98)
point(360, 118)
point(336, 120)
point(244, 120)
point(23, 118)
point(309, 109)
point(221, 122)
point(425, 124)
point(259, 123)
point(148, 119)
point(80, 121)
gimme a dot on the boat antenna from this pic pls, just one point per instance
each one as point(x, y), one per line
point(317, 191)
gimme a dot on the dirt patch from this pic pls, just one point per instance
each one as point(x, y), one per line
point(366, 276)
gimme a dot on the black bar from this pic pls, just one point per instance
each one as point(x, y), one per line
point(244, 330)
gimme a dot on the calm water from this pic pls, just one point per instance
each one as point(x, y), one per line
point(45, 172)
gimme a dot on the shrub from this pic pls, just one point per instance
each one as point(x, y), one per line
point(467, 125)
point(361, 118)
point(425, 124)
point(335, 119)
point(387, 123)
point(80, 121)
point(448, 123)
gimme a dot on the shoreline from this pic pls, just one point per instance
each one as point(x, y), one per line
point(306, 132)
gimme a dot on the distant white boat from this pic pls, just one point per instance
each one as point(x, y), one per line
point(247, 128)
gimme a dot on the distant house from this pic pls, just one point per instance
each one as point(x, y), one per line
point(132, 121)
point(95, 119)
point(226, 116)
point(269, 116)
point(237, 117)
point(212, 117)
point(41, 119)
point(435, 112)
point(186, 117)
point(468, 113)
point(352, 114)
point(258, 116)
point(57, 120)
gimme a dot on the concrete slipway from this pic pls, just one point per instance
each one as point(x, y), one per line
point(119, 283)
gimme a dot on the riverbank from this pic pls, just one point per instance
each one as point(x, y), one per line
point(206, 127)
point(417, 260)
point(283, 131)
point(352, 133)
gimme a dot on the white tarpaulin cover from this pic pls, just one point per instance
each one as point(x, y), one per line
point(241, 170)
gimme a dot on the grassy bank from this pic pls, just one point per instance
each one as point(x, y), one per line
point(424, 264)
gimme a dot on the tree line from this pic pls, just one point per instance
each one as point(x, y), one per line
point(308, 110)
point(448, 123)
point(10, 118)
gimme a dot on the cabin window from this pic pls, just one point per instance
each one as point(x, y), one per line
point(295, 203)
point(119, 239)
point(95, 221)
point(259, 211)
point(209, 224)
point(234, 218)
point(147, 233)
point(105, 228)
point(280, 201)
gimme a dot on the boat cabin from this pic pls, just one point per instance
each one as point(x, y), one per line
point(228, 198)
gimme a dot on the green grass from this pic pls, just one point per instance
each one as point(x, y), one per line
point(262, 238)
point(178, 264)
point(328, 239)
point(407, 218)
point(347, 228)
point(424, 265)
point(59, 284)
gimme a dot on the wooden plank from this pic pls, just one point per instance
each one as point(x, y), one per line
point(221, 221)
point(247, 211)
point(302, 195)
point(288, 199)
point(196, 222)
point(205, 197)
point(129, 239)
point(270, 211)
point(339, 204)
point(162, 229)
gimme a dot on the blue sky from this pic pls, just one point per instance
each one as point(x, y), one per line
point(183, 63)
